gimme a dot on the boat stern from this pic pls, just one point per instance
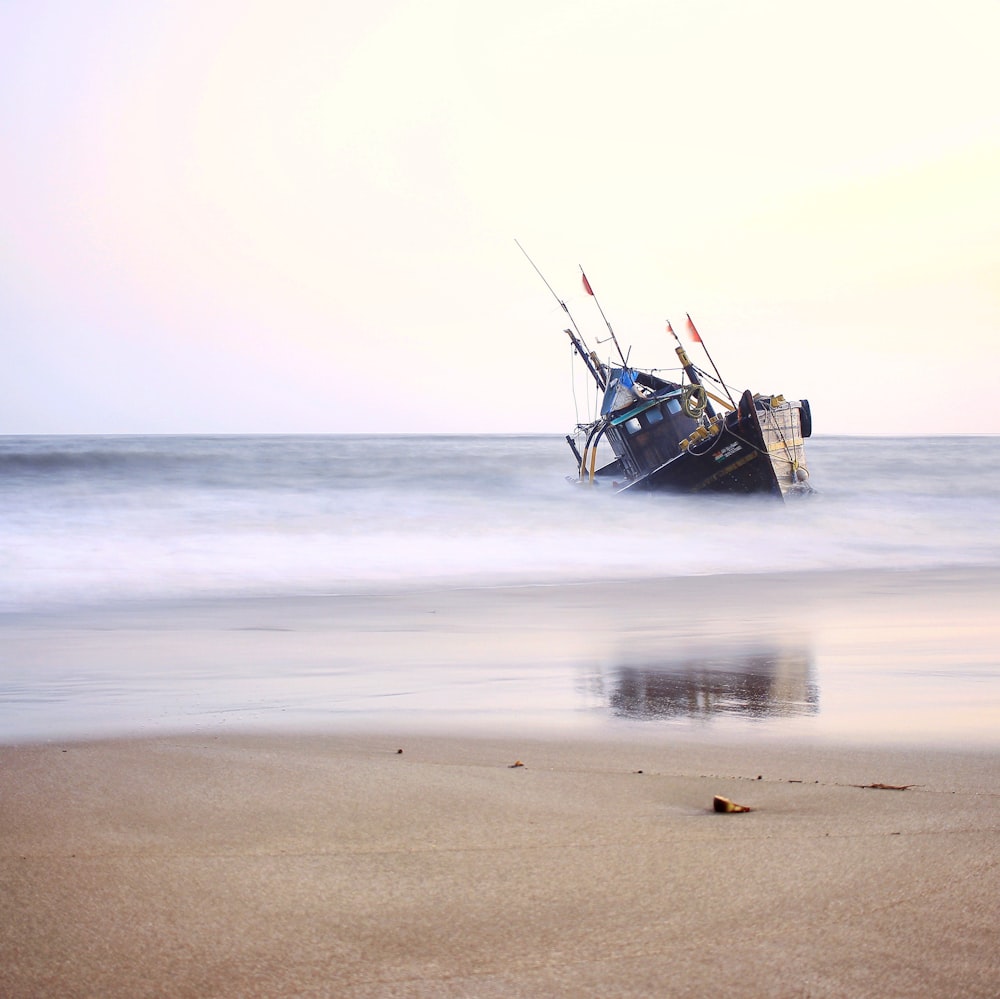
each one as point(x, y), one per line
point(785, 424)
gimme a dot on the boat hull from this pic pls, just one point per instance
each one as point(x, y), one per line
point(727, 463)
point(733, 458)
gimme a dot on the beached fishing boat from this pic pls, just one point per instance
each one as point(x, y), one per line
point(690, 435)
point(687, 434)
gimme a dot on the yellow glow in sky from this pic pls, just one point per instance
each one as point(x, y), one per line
point(252, 217)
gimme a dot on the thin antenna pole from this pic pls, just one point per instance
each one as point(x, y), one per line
point(590, 291)
point(579, 344)
point(697, 337)
point(554, 295)
point(542, 276)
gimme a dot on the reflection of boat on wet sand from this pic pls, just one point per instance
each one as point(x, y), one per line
point(763, 684)
point(667, 435)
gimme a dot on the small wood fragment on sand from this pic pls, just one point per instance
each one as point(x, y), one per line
point(885, 787)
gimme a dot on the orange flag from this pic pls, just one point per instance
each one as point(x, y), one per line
point(692, 332)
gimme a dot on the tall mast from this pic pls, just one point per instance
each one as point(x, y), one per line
point(589, 357)
point(696, 336)
point(590, 291)
point(689, 369)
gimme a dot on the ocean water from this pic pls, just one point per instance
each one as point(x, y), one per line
point(87, 519)
point(151, 583)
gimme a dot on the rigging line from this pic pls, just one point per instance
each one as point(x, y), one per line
point(791, 450)
point(572, 382)
point(753, 447)
point(712, 378)
point(709, 443)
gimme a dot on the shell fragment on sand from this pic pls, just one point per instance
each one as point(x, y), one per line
point(721, 804)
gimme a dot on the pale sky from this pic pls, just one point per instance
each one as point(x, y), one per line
point(231, 216)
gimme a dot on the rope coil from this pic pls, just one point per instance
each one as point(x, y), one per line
point(693, 401)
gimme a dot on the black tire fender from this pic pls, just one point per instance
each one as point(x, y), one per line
point(805, 418)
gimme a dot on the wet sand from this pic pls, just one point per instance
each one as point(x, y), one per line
point(884, 657)
point(294, 865)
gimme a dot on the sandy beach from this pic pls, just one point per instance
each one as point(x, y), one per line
point(320, 797)
point(340, 866)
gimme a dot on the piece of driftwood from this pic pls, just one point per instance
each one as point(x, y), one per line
point(885, 787)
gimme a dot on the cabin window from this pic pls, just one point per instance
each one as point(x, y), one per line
point(633, 426)
point(653, 416)
point(673, 405)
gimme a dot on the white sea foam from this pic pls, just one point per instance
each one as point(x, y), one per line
point(88, 519)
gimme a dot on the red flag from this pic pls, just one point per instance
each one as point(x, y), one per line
point(692, 332)
point(586, 284)
point(670, 330)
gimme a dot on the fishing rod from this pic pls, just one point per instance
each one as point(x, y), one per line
point(594, 365)
point(590, 291)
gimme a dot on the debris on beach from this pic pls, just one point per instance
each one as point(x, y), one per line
point(885, 787)
point(516, 763)
point(721, 804)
